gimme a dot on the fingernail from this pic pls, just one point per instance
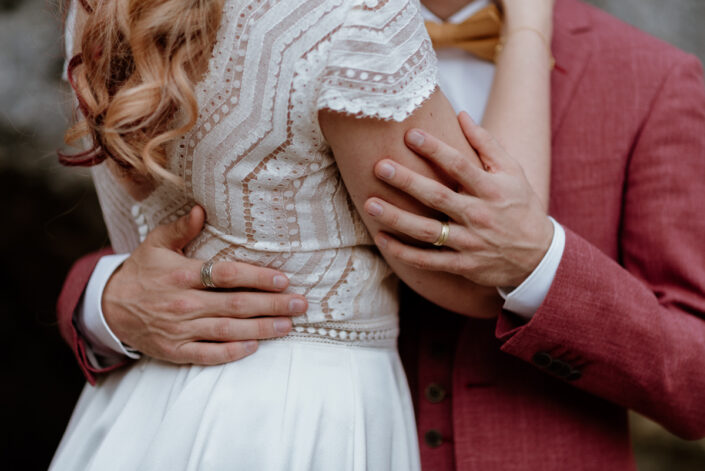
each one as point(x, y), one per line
point(381, 241)
point(250, 346)
point(374, 209)
point(386, 171)
point(282, 326)
point(280, 282)
point(415, 138)
point(297, 306)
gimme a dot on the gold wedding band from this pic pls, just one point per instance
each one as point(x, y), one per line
point(443, 238)
point(207, 274)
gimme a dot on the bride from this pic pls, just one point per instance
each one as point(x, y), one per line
point(270, 115)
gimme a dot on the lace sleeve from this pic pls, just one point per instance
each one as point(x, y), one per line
point(381, 63)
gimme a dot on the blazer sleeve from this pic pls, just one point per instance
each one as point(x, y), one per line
point(69, 299)
point(633, 331)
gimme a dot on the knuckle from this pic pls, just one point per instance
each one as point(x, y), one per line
point(454, 266)
point(491, 191)
point(428, 233)
point(420, 263)
point(472, 268)
point(393, 218)
point(465, 242)
point(228, 273)
point(264, 279)
point(459, 166)
point(178, 354)
point(461, 265)
point(201, 356)
point(237, 305)
point(177, 329)
point(466, 210)
point(165, 350)
point(222, 329)
point(393, 249)
point(265, 328)
point(277, 305)
point(181, 306)
point(480, 216)
point(234, 352)
point(432, 147)
point(181, 277)
point(439, 199)
point(406, 180)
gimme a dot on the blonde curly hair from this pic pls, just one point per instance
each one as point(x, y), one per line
point(138, 63)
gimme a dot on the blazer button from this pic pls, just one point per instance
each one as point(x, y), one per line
point(574, 375)
point(433, 438)
point(435, 393)
point(542, 360)
point(560, 368)
point(439, 350)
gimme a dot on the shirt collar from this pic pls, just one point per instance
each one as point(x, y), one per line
point(461, 15)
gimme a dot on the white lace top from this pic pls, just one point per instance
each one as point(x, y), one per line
point(259, 165)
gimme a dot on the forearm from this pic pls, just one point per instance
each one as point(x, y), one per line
point(518, 111)
point(451, 292)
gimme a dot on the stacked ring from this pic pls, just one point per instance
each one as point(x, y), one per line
point(207, 274)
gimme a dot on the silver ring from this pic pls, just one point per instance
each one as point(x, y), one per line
point(207, 274)
point(443, 238)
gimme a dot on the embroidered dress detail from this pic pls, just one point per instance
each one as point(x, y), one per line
point(332, 394)
point(257, 160)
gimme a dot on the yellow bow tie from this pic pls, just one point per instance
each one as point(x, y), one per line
point(478, 35)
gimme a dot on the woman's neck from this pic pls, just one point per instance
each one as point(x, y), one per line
point(444, 9)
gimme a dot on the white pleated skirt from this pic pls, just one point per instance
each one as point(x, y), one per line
point(293, 405)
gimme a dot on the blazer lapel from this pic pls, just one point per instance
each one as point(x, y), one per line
point(572, 54)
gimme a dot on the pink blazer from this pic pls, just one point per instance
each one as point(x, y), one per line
point(623, 325)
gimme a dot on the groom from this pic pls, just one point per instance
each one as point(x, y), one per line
point(612, 319)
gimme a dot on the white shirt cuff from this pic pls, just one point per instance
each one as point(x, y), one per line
point(105, 347)
point(526, 299)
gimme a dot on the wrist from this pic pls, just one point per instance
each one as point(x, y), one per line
point(524, 37)
point(519, 31)
point(108, 306)
point(526, 299)
point(540, 26)
point(539, 248)
point(92, 321)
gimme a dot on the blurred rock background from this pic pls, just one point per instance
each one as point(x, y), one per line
point(50, 217)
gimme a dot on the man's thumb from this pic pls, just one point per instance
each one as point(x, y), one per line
point(176, 235)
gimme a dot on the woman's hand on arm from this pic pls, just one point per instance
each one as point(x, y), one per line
point(499, 231)
point(155, 302)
